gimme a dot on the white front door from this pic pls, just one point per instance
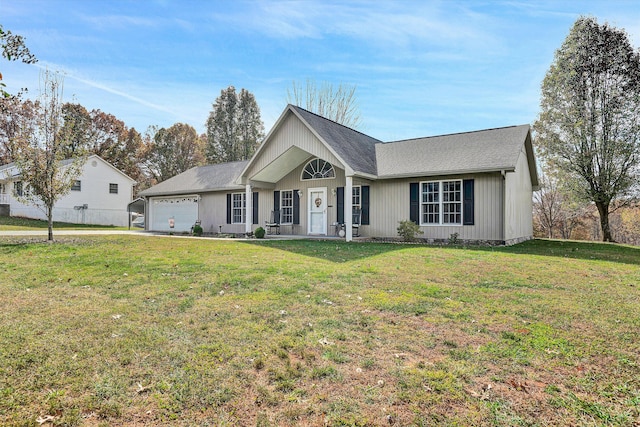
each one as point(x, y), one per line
point(317, 206)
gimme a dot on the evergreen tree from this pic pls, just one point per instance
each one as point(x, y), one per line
point(234, 127)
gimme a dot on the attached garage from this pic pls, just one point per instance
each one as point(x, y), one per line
point(181, 212)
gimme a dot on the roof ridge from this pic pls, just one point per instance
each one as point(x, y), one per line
point(456, 133)
point(332, 121)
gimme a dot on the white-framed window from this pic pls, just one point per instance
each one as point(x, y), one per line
point(441, 202)
point(77, 186)
point(286, 206)
point(113, 188)
point(356, 198)
point(238, 208)
point(318, 169)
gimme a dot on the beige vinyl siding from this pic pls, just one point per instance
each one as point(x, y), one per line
point(292, 132)
point(389, 204)
point(518, 211)
point(213, 213)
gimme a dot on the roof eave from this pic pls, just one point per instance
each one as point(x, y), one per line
point(447, 172)
point(191, 191)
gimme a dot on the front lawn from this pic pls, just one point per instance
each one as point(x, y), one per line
point(123, 330)
point(18, 223)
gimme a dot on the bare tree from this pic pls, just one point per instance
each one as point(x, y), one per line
point(39, 160)
point(337, 103)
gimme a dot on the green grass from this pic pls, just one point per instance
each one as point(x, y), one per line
point(18, 223)
point(123, 330)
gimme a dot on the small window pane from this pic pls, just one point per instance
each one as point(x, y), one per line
point(113, 188)
point(77, 186)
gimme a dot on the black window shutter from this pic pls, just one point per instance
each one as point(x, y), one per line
point(276, 200)
point(414, 202)
point(296, 207)
point(229, 208)
point(255, 207)
point(364, 194)
point(467, 202)
point(340, 203)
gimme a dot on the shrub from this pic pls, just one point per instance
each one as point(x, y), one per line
point(408, 230)
point(197, 230)
point(259, 233)
point(453, 238)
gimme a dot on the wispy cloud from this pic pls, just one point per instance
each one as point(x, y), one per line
point(101, 86)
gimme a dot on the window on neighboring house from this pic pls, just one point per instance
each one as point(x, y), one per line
point(17, 188)
point(77, 186)
point(441, 203)
point(286, 206)
point(318, 169)
point(239, 208)
point(113, 188)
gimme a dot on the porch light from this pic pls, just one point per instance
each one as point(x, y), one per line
point(299, 194)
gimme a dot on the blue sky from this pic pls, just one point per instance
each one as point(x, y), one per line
point(421, 68)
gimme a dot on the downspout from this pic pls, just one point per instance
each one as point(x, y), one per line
point(503, 173)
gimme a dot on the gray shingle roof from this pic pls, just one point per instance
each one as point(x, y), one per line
point(485, 150)
point(200, 179)
point(355, 148)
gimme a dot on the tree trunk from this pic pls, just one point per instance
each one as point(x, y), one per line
point(50, 224)
point(603, 210)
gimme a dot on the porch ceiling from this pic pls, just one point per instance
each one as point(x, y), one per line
point(282, 165)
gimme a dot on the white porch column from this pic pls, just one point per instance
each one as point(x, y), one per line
point(348, 208)
point(249, 210)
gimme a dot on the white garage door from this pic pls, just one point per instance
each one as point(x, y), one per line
point(183, 211)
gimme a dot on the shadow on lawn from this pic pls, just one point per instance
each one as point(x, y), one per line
point(340, 251)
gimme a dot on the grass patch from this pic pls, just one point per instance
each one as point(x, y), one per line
point(119, 330)
point(11, 223)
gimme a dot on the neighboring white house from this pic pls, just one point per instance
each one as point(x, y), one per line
point(99, 196)
point(473, 186)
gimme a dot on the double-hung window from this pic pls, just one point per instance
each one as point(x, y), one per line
point(77, 186)
point(113, 188)
point(239, 208)
point(441, 202)
point(356, 198)
point(286, 206)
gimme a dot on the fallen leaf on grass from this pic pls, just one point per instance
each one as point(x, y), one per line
point(325, 342)
point(141, 389)
point(519, 385)
point(45, 419)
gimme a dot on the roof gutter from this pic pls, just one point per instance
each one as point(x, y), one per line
point(447, 172)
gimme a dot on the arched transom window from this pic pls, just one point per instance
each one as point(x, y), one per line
point(318, 169)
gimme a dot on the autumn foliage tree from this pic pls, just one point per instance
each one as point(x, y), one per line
point(103, 134)
point(589, 124)
point(173, 151)
point(13, 48)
